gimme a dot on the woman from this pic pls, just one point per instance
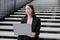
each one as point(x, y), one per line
point(30, 18)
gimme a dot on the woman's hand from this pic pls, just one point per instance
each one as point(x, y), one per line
point(32, 35)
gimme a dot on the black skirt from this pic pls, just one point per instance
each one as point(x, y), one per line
point(23, 37)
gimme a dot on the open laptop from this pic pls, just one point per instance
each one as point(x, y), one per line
point(22, 29)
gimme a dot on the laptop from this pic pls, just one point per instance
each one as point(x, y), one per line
point(22, 29)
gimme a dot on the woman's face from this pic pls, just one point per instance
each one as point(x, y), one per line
point(28, 10)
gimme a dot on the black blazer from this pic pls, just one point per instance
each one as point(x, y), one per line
point(36, 24)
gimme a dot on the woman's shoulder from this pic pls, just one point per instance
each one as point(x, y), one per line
point(37, 18)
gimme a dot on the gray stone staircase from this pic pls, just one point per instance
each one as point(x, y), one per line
point(50, 24)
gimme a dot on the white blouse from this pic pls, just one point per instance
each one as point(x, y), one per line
point(29, 21)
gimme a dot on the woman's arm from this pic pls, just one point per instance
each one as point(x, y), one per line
point(37, 29)
point(38, 25)
point(32, 35)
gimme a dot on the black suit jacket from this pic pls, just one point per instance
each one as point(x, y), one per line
point(36, 24)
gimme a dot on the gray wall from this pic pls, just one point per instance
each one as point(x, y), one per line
point(20, 2)
point(6, 6)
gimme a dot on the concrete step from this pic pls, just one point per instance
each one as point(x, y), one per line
point(23, 10)
point(7, 33)
point(42, 23)
point(41, 19)
point(17, 15)
point(50, 19)
point(35, 13)
point(50, 29)
point(50, 23)
point(57, 29)
point(41, 35)
point(13, 18)
point(8, 22)
point(6, 27)
point(37, 16)
point(7, 39)
point(49, 35)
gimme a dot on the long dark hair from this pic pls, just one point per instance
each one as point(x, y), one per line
point(33, 13)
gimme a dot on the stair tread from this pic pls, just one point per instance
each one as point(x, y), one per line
point(36, 15)
point(41, 35)
point(57, 29)
point(11, 18)
point(7, 39)
point(9, 22)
